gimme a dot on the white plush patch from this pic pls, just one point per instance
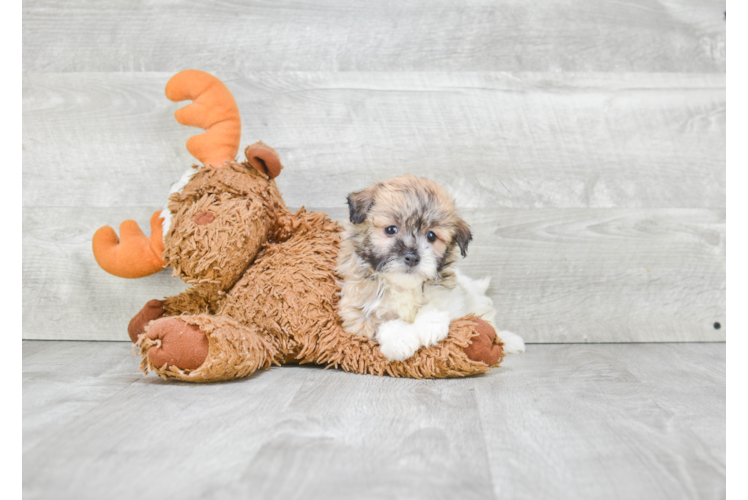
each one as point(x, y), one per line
point(176, 187)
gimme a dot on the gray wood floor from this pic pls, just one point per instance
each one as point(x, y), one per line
point(595, 421)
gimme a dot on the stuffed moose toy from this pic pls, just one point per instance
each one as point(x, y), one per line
point(263, 284)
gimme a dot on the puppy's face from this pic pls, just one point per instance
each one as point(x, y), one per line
point(407, 228)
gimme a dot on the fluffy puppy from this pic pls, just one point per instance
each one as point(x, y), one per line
point(396, 261)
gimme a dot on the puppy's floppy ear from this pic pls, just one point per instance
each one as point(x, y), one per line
point(359, 204)
point(462, 236)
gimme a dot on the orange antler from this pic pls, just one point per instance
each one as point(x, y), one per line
point(133, 256)
point(214, 109)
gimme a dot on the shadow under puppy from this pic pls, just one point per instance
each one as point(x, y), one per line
point(396, 261)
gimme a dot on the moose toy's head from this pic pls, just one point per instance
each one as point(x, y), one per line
point(215, 225)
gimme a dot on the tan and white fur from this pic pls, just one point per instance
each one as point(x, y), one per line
point(399, 284)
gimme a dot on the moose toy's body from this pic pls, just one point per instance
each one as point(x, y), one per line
point(264, 288)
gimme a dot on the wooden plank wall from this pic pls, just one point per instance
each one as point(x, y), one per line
point(584, 141)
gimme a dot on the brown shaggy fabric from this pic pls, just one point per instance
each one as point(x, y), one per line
point(234, 350)
point(216, 253)
point(265, 290)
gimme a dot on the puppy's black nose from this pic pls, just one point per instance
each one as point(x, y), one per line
point(412, 259)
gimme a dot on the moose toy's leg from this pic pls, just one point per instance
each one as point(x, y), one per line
point(471, 347)
point(177, 343)
point(204, 348)
point(194, 300)
point(486, 346)
point(153, 309)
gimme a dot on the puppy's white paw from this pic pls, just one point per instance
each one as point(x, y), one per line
point(513, 343)
point(432, 327)
point(398, 340)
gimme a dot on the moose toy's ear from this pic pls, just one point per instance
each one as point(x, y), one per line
point(359, 204)
point(264, 159)
point(462, 236)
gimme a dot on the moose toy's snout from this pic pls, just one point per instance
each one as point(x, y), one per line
point(204, 218)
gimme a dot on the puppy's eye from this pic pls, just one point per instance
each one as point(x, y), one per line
point(431, 236)
point(389, 231)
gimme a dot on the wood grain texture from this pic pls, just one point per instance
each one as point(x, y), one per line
point(573, 275)
point(93, 144)
point(576, 422)
point(601, 275)
point(501, 140)
point(396, 35)
point(66, 295)
point(558, 422)
point(63, 381)
point(585, 142)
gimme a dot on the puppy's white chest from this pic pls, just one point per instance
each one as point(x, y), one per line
point(405, 302)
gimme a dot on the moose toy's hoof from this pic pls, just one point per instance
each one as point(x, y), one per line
point(483, 347)
point(183, 345)
point(153, 309)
